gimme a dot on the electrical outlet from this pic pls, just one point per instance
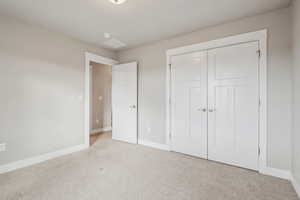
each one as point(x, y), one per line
point(149, 130)
point(2, 147)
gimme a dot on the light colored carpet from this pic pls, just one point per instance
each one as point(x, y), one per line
point(112, 170)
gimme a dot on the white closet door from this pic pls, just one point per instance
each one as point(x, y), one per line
point(233, 103)
point(189, 104)
point(124, 102)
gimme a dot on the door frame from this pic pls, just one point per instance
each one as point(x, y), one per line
point(90, 57)
point(261, 37)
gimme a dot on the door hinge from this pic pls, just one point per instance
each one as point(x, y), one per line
point(170, 66)
point(170, 136)
point(259, 53)
point(258, 151)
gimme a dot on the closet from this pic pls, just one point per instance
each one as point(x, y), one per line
point(214, 107)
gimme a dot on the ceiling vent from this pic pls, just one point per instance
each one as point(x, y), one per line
point(114, 43)
point(117, 1)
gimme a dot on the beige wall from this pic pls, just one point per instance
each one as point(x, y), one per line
point(42, 85)
point(296, 91)
point(101, 96)
point(152, 73)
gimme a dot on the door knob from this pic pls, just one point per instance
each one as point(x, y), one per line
point(211, 110)
point(202, 109)
point(133, 106)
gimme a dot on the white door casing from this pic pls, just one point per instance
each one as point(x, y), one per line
point(233, 83)
point(124, 102)
point(189, 104)
point(89, 57)
point(233, 105)
point(261, 38)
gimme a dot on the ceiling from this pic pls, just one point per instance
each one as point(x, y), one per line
point(135, 22)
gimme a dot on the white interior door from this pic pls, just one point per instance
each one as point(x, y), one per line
point(233, 97)
point(124, 102)
point(189, 104)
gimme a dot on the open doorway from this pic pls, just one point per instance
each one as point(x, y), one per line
point(98, 109)
point(110, 100)
point(100, 101)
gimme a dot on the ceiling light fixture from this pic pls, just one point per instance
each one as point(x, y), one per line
point(117, 1)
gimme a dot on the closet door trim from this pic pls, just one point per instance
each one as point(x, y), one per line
point(261, 38)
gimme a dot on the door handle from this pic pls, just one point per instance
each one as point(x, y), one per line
point(202, 109)
point(133, 106)
point(211, 110)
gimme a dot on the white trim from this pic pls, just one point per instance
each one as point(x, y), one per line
point(154, 145)
point(100, 130)
point(296, 185)
point(98, 59)
point(279, 173)
point(261, 37)
point(168, 100)
point(38, 159)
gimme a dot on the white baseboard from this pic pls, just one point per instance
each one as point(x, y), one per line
point(296, 185)
point(38, 159)
point(154, 145)
point(279, 173)
point(284, 174)
point(100, 130)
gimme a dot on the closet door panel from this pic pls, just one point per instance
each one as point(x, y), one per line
point(189, 104)
point(233, 98)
